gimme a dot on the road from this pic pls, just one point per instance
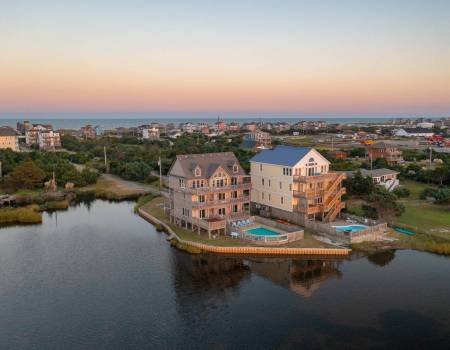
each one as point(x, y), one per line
point(135, 185)
point(132, 185)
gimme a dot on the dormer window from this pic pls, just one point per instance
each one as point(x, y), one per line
point(197, 171)
point(235, 168)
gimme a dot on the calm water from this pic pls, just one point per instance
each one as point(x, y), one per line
point(100, 277)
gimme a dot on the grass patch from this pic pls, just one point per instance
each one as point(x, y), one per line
point(155, 208)
point(26, 215)
point(415, 188)
point(111, 190)
point(144, 200)
point(55, 205)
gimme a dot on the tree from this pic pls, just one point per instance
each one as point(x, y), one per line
point(25, 176)
point(359, 185)
point(385, 203)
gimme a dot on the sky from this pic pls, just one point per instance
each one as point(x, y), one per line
point(306, 57)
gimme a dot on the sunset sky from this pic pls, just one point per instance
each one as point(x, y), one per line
point(308, 57)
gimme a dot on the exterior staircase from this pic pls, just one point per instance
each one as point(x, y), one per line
point(332, 199)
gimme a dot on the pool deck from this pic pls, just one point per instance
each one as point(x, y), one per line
point(245, 250)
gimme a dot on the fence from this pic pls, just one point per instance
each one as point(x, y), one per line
point(247, 250)
point(371, 233)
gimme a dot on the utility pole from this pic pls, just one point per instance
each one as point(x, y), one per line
point(106, 163)
point(160, 173)
point(430, 156)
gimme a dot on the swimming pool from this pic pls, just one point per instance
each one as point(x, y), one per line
point(262, 231)
point(351, 228)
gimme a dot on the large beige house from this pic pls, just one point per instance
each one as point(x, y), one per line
point(208, 189)
point(8, 138)
point(295, 184)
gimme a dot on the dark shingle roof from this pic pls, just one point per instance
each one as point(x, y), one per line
point(374, 172)
point(208, 163)
point(7, 131)
point(282, 155)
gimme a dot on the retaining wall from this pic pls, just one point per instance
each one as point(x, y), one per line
point(244, 249)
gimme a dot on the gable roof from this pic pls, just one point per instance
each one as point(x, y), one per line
point(383, 144)
point(418, 130)
point(282, 155)
point(7, 131)
point(374, 172)
point(207, 162)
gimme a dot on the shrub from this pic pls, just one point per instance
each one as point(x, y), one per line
point(401, 192)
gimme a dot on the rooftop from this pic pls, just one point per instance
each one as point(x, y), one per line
point(282, 155)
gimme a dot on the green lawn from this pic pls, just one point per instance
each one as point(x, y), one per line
point(427, 218)
point(154, 207)
point(415, 187)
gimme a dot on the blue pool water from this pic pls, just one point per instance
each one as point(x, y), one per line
point(351, 228)
point(262, 231)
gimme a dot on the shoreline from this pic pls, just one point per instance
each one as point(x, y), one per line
point(196, 247)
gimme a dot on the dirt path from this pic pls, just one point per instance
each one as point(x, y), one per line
point(132, 185)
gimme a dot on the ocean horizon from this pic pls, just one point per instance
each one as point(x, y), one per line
point(113, 120)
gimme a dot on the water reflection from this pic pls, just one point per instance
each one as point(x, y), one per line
point(383, 258)
point(212, 273)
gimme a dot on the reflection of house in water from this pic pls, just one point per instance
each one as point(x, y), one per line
point(208, 275)
point(302, 276)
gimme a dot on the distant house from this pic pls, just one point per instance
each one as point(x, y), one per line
point(383, 177)
point(43, 136)
point(8, 138)
point(88, 132)
point(150, 134)
point(257, 139)
point(338, 155)
point(413, 132)
point(385, 150)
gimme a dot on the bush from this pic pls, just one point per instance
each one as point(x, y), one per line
point(401, 192)
point(27, 215)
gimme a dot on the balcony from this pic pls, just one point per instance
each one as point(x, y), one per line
point(315, 178)
point(308, 193)
point(214, 223)
point(200, 190)
point(214, 203)
point(309, 209)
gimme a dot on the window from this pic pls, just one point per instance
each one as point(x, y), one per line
point(262, 195)
point(269, 182)
point(282, 200)
point(234, 194)
point(262, 181)
point(234, 181)
point(235, 168)
point(290, 187)
point(235, 208)
point(221, 211)
point(281, 185)
point(260, 167)
point(221, 196)
point(202, 213)
point(287, 171)
point(185, 212)
point(198, 171)
point(201, 198)
point(269, 196)
point(182, 184)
